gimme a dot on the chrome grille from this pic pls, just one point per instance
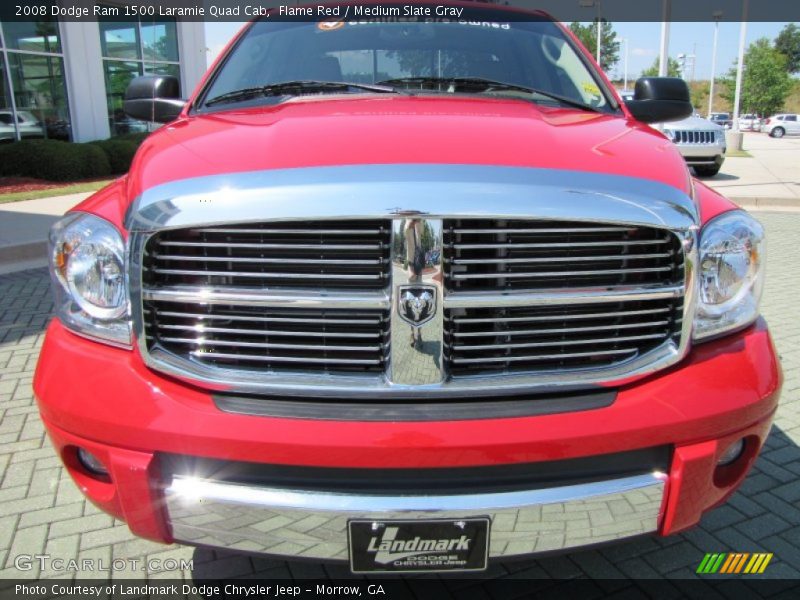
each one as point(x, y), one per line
point(327, 255)
point(242, 337)
point(547, 338)
point(695, 137)
point(512, 255)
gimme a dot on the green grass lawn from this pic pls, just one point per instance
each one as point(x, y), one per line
point(75, 188)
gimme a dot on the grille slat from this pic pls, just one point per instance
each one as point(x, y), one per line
point(296, 347)
point(504, 274)
point(287, 261)
point(564, 330)
point(287, 359)
point(265, 275)
point(544, 357)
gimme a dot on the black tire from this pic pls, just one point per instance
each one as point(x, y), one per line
point(778, 132)
point(707, 170)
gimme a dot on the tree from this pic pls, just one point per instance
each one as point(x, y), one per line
point(788, 43)
point(765, 83)
point(673, 69)
point(609, 45)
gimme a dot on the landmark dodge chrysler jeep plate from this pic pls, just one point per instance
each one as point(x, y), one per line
point(414, 546)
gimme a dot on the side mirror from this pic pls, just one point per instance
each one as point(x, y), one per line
point(153, 98)
point(659, 99)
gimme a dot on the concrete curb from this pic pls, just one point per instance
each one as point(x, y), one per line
point(771, 204)
point(20, 256)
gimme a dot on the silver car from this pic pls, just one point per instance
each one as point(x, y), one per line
point(782, 124)
point(701, 142)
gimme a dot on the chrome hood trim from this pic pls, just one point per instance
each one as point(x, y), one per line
point(436, 191)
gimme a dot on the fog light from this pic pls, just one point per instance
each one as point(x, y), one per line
point(91, 463)
point(733, 452)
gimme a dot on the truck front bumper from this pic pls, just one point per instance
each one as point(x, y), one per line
point(104, 400)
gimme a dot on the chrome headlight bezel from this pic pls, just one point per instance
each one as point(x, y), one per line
point(88, 270)
point(730, 274)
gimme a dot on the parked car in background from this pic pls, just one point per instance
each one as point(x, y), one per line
point(701, 143)
point(780, 125)
point(29, 126)
point(749, 122)
point(722, 119)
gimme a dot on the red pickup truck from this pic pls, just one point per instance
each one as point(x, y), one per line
point(410, 293)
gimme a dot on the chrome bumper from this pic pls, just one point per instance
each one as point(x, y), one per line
point(313, 524)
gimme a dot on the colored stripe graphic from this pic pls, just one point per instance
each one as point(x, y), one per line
point(711, 563)
point(735, 562)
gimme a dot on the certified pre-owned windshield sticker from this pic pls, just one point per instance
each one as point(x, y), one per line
point(330, 25)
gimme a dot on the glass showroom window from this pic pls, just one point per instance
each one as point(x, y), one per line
point(33, 92)
point(132, 48)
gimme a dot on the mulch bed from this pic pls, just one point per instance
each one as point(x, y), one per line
point(10, 185)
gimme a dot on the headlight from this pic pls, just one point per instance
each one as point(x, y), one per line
point(731, 274)
point(670, 134)
point(87, 265)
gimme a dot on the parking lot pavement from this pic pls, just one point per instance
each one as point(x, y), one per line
point(42, 512)
point(769, 173)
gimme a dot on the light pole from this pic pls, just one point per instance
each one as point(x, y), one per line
point(740, 68)
point(663, 57)
point(717, 16)
point(625, 67)
point(590, 4)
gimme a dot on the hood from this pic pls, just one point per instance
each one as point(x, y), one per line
point(693, 124)
point(357, 130)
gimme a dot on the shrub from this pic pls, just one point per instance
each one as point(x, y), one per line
point(95, 161)
point(52, 160)
point(119, 152)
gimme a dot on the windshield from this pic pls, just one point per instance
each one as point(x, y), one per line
point(412, 57)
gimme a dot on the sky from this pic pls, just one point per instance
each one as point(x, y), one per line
point(643, 43)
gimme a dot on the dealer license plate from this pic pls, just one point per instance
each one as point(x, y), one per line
point(419, 545)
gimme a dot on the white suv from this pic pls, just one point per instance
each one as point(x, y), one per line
point(780, 125)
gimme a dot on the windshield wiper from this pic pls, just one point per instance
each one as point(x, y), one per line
point(291, 88)
point(484, 85)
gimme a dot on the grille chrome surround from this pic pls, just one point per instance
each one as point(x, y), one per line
point(601, 202)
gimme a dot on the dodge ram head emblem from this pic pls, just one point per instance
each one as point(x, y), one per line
point(416, 304)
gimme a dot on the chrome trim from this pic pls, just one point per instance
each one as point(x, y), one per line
point(417, 348)
point(278, 298)
point(313, 524)
point(389, 191)
point(395, 192)
point(551, 298)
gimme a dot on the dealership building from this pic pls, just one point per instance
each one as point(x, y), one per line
point(67, 79)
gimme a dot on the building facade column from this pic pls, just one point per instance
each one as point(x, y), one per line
point(86, 89)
